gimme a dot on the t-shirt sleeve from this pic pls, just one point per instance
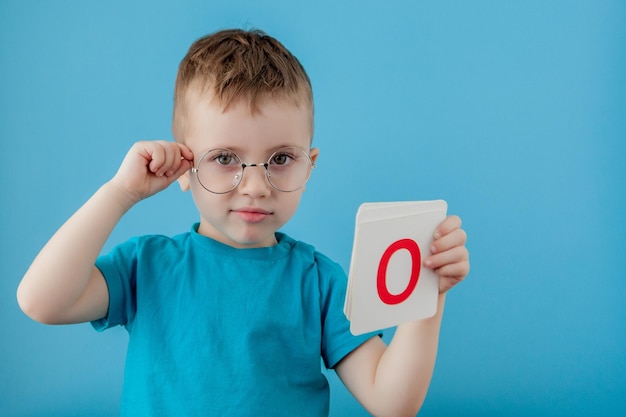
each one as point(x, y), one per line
point(119, 270)
point(337, 341)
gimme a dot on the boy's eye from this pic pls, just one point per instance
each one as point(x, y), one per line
point(281, 159)
point(225, 159)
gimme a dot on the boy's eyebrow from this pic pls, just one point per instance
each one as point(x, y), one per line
point(241, 152)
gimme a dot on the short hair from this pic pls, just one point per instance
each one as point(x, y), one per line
point(235, 65)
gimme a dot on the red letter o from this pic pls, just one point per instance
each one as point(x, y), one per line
point(381, 278)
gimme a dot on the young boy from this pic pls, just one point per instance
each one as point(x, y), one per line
point(232, 317)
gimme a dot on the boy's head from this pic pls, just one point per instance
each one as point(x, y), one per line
point(235, 65)
point(244, 107)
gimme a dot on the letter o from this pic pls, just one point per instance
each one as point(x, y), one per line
point(381, 278)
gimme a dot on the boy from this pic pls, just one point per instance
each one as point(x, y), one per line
point(232, 317)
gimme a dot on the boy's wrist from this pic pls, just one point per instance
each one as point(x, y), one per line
point(120, 195)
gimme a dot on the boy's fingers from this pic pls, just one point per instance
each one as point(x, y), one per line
point(185, 152)
point(448, 281)
point(183, 160)
point(183, 166)
point(448, 225)
point(168, 157)
point(448, 257)
point(457, 270)
point(456, 237)
point(174, 160)
point(156, 155)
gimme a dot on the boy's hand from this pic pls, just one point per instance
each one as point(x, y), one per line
point(150, 167)
point(450, 257)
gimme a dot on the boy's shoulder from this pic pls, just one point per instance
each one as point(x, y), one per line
point(153, 244)
point(308, 253)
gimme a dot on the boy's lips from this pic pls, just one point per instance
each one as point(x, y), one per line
point(252, 214)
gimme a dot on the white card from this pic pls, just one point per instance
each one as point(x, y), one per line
point(387, 283)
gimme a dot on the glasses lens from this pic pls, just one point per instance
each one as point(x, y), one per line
point(289, 169)
point(219, 171)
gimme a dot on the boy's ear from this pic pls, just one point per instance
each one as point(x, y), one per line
point(313, 154)
point(183, 181)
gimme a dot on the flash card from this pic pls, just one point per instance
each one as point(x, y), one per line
point(387, 283)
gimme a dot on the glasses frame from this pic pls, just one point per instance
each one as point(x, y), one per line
point(244, 165)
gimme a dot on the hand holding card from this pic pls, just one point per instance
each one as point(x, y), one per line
point(387, 284)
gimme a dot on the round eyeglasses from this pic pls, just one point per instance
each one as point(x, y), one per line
point(221, 170)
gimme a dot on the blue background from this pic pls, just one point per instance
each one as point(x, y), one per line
point(514, 112)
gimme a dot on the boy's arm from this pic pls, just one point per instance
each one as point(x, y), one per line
point(62, 284)
point(393, 380)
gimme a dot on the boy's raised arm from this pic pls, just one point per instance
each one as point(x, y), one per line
point(393, 380)
point(62, 284)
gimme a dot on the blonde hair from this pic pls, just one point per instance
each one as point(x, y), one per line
point(234, 65)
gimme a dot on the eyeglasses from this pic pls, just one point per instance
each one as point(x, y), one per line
point(220, 170)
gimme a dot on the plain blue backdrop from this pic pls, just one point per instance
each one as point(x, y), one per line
point(512, 111)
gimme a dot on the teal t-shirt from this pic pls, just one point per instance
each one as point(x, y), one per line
point(220, 331)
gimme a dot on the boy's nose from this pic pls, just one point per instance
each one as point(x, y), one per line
point(254, 181)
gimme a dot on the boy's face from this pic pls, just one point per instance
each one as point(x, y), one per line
point(249, 215)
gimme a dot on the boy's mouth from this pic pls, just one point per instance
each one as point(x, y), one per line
point(252, 214)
